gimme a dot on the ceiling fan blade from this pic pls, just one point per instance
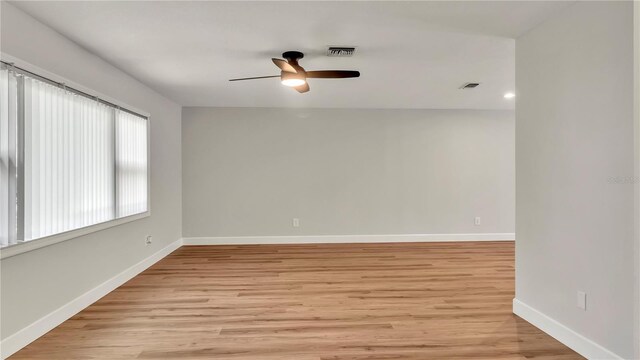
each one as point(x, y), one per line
point(257, 77)
point(333, 74)
point(283, 65)
point(302, 88)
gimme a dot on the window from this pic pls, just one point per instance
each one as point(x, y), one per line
point(67, 160)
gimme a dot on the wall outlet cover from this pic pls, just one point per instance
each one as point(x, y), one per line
point(582, 300)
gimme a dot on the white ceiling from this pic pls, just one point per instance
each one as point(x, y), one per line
point(410, 54)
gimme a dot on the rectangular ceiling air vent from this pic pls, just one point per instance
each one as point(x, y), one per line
point(469, 85)
point(340, 51)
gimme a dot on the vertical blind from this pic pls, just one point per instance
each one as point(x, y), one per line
point(131, 160)
point(8, 117)
point(78, 160)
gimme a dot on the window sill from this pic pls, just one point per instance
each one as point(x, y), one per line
point(31, 245)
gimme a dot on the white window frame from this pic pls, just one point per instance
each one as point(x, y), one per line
point(26, 246)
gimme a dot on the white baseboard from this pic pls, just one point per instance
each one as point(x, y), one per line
point(334, 239)
point(565, 335)
point(22, 338)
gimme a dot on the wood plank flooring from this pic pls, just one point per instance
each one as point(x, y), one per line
point(310, 302)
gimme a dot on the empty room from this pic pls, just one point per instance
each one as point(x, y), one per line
point(320, 180)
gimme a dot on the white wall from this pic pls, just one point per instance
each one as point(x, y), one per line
point(38, 282)
point(249, 171)
point(636, 23)
point(574, 171)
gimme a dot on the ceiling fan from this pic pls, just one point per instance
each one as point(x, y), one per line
point(295, 76)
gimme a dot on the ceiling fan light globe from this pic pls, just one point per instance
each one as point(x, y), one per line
point(292, 79)
point(293, 82)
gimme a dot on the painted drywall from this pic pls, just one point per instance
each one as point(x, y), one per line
point(636, 23)
point(37, 282)
point(575, 167)
point(249, 172)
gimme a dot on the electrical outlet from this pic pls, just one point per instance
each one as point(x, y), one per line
point(296, 222)
point(477, 220)
point(148, 240)
point(582, 300)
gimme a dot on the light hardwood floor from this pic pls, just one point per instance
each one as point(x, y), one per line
point(310, 302)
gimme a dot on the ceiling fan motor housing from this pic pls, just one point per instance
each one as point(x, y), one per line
point(292, 55)
point(285, 75)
